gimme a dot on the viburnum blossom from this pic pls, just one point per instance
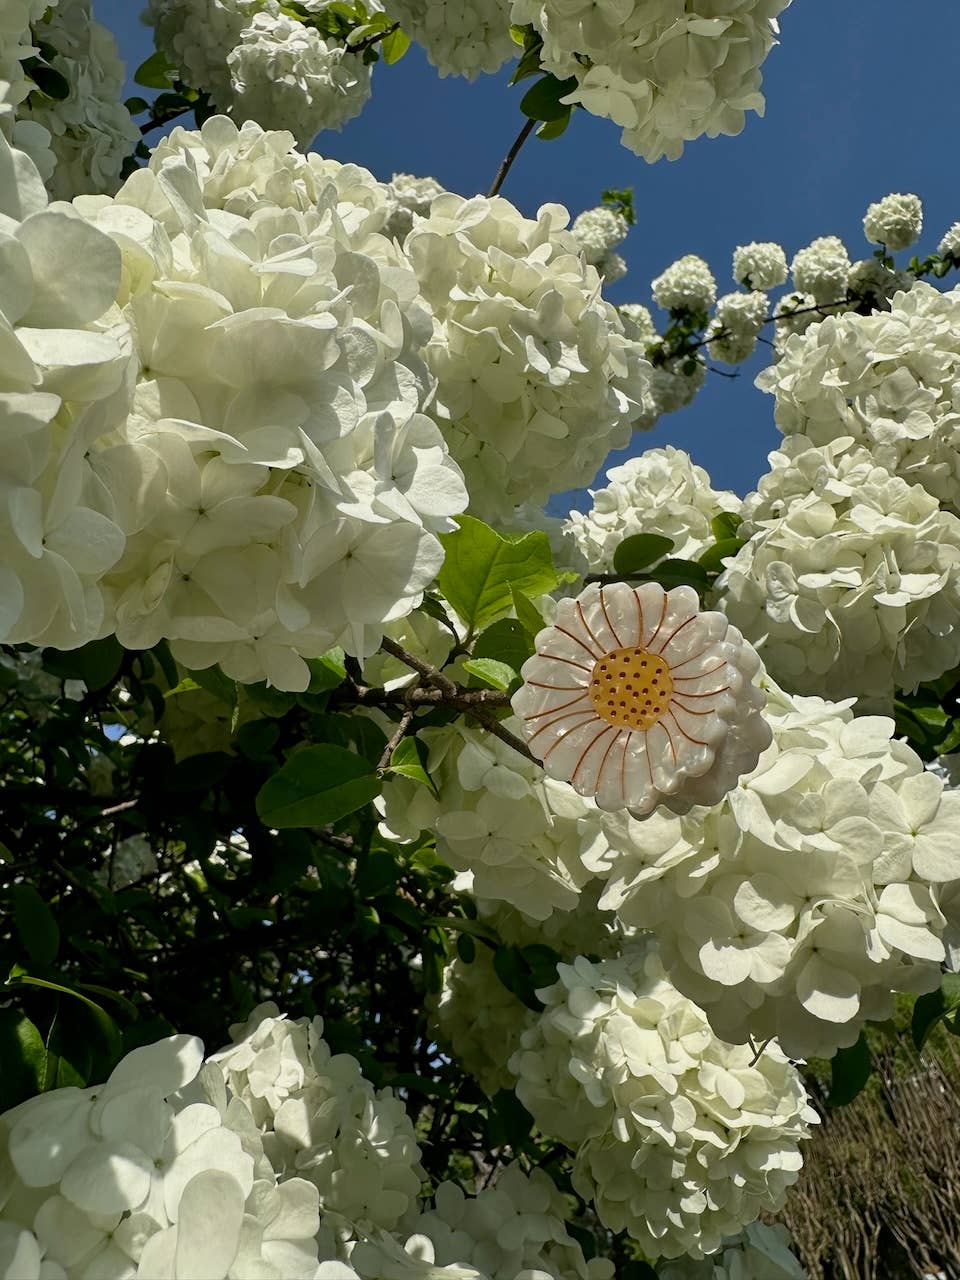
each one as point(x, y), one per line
point(876, 284)
point(65, 377)
point(409, 198)
point(661, 491)
point(16, 45)
point(666, 72)
point(460, 37)
point(850, 581)
point(598, 232)
point(891, 381)
point(681, 1139)
point(821, 269)
point(732, 333)
point(895, 222)
point(283, 488)
point(760, 265)
point(513, 835)
point(91, 131)
point(686, 285)
point(259, 62)
point(536, 378)
point(761, 1252)
point(639, 698)
point(796, 907)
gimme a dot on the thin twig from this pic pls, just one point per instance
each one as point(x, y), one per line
point(394, 741)
point(370, 41)
point(511, 155)
point(160, 121)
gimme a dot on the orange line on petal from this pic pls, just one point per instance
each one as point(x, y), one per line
point(576, 640)
point(696, 741)
point(571, 688)
point(673, 749)
point(555, 657)
point(563, 737)
point(712, 694)
point(603, 763)
point(567, 715)
point(596, 639)
point(663, 614)
point(677, 631)
point(700, 675)
point(553, 710)
point(573, 776)
point(623, 764)
point(603, 606)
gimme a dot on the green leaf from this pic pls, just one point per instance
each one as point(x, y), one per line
point(523, 970)
point(712, 559)
point(680, 573)
point(466, 948)
point(214, 681)
point(96, 664)
point(137, 105)
point(409, 759)
point(542, 100)
point(529, 65)
point(317, 786)
point(393, 47)
point(23, 1056)
point(528, 615)
point(186, 685)
point(481, 570)
point(156, 72)
point(725, 525)
point(327, 671)
point(639, 552)
point(510, 1122)
point(934, 1007)
point(47, 79)
point(850, 1070)
point(35, 924)
point(555, 128)
point(498, 675)
point(376, 873)
point(507, 641)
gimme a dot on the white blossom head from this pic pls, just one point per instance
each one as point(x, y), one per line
point(895, 222)
point(686, 285)
point(638, 697)
point(732, 333)
point(760, 265)
point(459, 37)
point(822, 269)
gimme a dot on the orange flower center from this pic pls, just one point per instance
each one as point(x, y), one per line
point(631, 688)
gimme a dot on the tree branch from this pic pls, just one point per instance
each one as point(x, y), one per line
point(160, 121)
point(511, 155)
point(370, 41)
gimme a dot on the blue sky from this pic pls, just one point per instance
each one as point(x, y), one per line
point(859, 103)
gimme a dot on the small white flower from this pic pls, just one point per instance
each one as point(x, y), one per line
point(637, 697)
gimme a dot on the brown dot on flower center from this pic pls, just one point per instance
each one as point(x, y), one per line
point(631, 688)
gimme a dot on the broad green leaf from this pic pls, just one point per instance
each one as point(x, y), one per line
point(542, 100)
point(466, 948)
point(327, 671)
point(679, 573)
point(214, 681)
point(376, 873)
point(460, 925)
point(481, 569)
point(510, 1122)
point(528, 615)
point(96, 664)
point(507, 641)
point(725, 525)
point(186, 685)
point(23, 1054)
point(934, 1007)
point(713, 558)
point(850, 1070)
point(551, 129)
point(35, 924)
point(498, 675)
point(137, 105)
point(638, 552)
point(394, 46)
point(409, 759)
point(156, 72)
point(316, 787)
point(47, 79)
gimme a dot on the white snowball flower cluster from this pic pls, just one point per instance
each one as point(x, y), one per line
point(687, 285)
point(513, 835)
point(16, 45)
point(950, 244)
point(821, 269)
point(667, 72)
point(639, 698)
point(732, 333)
point(320, 1120)
point(259, 62)
point(282, 489)
point(890, 380)
point(64, 387)
point(895, 222)
point(877, 284)
point(681, 1139)
point(850, 581)
point(155, 1174)
point(460, 37)
point(661, 491)
point(796, 907)
point(760, 265)
point(675, 381)
point(409, 198)
point(598, 232)
point(537, 380)
point(761, 1252)
point(91, 131)
point(477, 1016)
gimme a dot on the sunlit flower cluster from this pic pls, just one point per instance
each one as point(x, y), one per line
point(761, 1252)
point(895, 222)
point(513, 835)
point(760, 265)
point(283, 489)
point(91, 131)
point(850, 581)
point(259, 62)
point(598, 232)
point(667, 73)
point(637, 697)
point(732, 333)
point(686, 285)
point(890, 380)
point(408, 198)
point(460, 37)
point(156, 1173)
point(661, 491)
point(821, 269)
point(537, 380)
point(681, 1139)
point(16, 45)
point(798, 906)
point(319, 1119)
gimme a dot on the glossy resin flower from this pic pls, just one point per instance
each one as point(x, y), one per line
point(639, 698)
